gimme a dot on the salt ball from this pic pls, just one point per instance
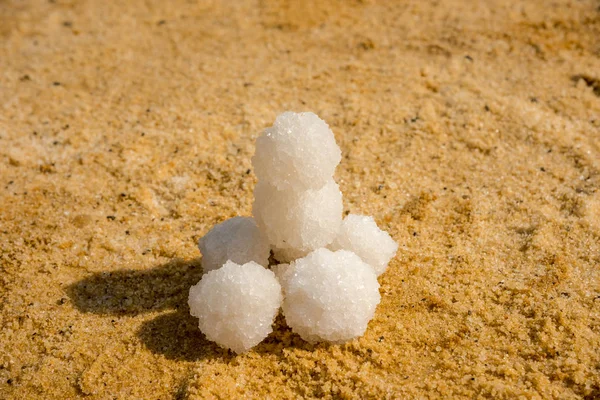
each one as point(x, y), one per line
point(360, 235)
point(236, 304)
point(297, 223)
point(329, 296)
point(299, 151)
point(238, 239)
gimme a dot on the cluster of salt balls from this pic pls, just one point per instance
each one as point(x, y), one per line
point(326, 280)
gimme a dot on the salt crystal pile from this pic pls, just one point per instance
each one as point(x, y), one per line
point(329, 281)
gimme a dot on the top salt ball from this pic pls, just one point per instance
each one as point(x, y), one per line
point(237, 239)
point(298, 152)
point(361, 235)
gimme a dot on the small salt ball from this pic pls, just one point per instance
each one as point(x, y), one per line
point(236, 305)
point(360, 235)
point(297, 223)
point(299, 151)
point(329, 296)
point(238, 239)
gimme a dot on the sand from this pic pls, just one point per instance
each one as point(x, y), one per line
point(470, 130)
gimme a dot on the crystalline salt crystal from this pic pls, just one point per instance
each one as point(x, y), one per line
point(236, 305)
point(360, 235)
point(329, 296)
point(299, 151)
point(296, 223)
point(238, 239)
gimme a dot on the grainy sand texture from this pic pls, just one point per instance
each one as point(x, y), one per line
point(470, 130)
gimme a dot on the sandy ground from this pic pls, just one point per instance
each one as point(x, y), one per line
point(469, 129)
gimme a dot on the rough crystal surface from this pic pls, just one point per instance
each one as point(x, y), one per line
point(329, 296)
point(238, 239)
point(299, 151)
point(361, 235)
point(296, 223)
point(236, 304)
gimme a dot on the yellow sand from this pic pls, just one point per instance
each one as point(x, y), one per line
point(470, 130)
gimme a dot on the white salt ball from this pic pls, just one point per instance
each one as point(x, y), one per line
point(329, 296)
point(238, 239)
point(299, 151)
point(360, 235)
point(297, 223)
point(236, 305)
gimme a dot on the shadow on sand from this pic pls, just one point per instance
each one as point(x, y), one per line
point(133, 292)
point(175, 335)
